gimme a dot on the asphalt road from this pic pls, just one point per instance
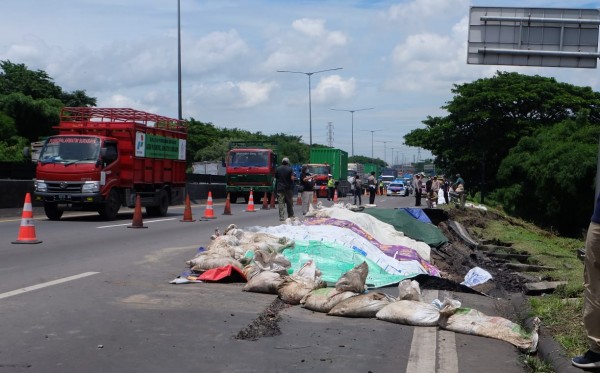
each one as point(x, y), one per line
point(94, 296)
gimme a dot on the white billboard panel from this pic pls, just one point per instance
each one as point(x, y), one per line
point(549, 37)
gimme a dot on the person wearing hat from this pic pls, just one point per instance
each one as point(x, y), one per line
point(330, 187)
point(284, 184)
point(372, 183)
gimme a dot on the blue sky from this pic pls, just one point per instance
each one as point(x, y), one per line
point(400, 58)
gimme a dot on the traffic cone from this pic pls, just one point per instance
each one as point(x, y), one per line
point(315, 200)
point(209, 213)
point(250, 207)
point(137, 215)
point(27, 230)
point(227, 210)
point(299, 200)
point(265, 204)
point(187, 212)
point(335, 196)
point(272, 202)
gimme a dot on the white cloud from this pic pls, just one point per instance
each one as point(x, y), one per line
point(332, 89)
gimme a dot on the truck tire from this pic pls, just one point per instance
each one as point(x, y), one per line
point(52, 211)
point(110, 208)
point(233, 198)
point(163, 205)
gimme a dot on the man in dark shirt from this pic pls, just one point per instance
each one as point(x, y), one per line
point(284, 179)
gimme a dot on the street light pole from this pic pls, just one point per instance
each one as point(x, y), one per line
point(372, 132)
point(179, 109)
point(309, 74)
point(385, 151)
point(352, 112)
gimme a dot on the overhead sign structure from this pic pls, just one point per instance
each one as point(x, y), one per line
point(549, 37)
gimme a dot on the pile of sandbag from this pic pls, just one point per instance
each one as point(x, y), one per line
point(232, 247)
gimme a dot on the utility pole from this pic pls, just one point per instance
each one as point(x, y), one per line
point(330, 134)
point(352, 112)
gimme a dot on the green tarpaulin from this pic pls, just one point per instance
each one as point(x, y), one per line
point(411, 227)
point(334, 260)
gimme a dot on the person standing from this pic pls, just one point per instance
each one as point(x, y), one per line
point(330, 187)
point(428, 184)
point(381, 187)
point(357, 189)
point(459, 188)
point(308, 183)
point(284, 179)
point(591, 294)
point(445, 185)
point(417, 184)
point(372, 183)
point(435, 189)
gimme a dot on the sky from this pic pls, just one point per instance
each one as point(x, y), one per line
point(396, 61)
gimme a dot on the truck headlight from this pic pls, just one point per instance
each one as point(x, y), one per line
point(90, 187)
point(41, 186)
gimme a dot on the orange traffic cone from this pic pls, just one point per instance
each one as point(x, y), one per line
point(299, 200)
point(137, 215)
point(27, 230)
point(272, 204)
point(250, 207)
point(227, 210)
point(315, 200)
point(265, 204)
point(187, 212)
point(209, 213)
point(335, 196)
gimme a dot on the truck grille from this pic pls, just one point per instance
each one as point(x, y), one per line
point(64, 187)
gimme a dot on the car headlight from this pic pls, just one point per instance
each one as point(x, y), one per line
point(90, 187)
point(41, 186)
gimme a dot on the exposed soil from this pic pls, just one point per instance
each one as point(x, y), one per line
point(266, 324)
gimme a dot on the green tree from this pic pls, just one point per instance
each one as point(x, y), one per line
point(548, 177)
point(489, 116)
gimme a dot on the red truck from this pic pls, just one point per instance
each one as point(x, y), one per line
point(103, 158)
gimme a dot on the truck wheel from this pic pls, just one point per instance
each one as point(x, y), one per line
point(233, 198)
point(110, 207)
point(163, 205)
point(52, 211)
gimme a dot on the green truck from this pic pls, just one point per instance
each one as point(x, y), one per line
point(250, 166)
point(324, 161)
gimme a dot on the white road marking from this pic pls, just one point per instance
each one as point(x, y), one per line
point(432, 350)
point(145, 221)
point(46, 284)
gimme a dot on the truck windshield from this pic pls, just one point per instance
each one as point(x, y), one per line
point(70, 149)
point(249, 159)
point(319, 170)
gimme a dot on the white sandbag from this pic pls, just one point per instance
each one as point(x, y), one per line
point(470, 321)
point(409, 290)
point(250, 271)
point(363, 305)
point(271, 261)
point(324, 299)
point(354, 279)
point(410, 312)
point(264, 282)
point(295, 287)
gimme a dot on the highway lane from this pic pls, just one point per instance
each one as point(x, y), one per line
point(121, 314)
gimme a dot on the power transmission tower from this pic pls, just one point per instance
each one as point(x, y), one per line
point(330, 134)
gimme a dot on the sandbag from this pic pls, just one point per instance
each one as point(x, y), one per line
point(250, 271)
point(264, 282)
point(470, 321)
point(363, 305)
point(271, 261)
point(293, 288)
point(208, 260)
point(409, 290)
point(354, 279)
point(410, 312)
point(324, 299)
